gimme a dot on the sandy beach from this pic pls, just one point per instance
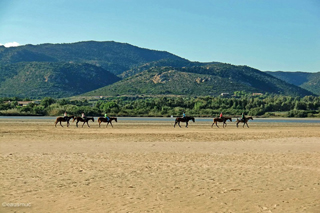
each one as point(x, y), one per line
point(153, 167)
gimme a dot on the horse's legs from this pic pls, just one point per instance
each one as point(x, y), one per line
point(60, 124)
point(217, 124)
point(77, 123)
point(88, 124)
point(177, 122)
point(99, 123)
point(111, 124)
point(247, 125)
point(237, 124)
point(187, 124)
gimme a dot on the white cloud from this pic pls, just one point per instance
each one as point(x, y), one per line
point(10, 44)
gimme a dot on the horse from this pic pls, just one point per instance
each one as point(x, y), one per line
point(63, 119)
point(185, 119)
point(223, 119)
point(244, 121)
point(82, 120)
point(103, 119)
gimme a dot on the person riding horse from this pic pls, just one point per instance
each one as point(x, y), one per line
point(183, 119)
point(65, 116)
point(243, 117)
point(106, 117)
point(83, 117)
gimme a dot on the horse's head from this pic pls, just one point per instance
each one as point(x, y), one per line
point(192, 118)
point(250, 118)
point(230, 119)
point(116, 119)
point(92, 119)
point(74, 118)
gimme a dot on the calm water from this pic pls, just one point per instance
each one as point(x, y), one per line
point(155, 119)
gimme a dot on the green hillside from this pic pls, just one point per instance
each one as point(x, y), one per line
point(305, 80)
point(212, 79)
point(40, 79)
point(113, 56)
point(176, 63)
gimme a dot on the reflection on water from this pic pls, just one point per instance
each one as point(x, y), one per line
point(159, 119)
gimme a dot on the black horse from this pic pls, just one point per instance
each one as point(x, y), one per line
point(185, 119)
point(244, 121)
point(223, 119)
point(83, 120)
point(63, 119)
point(103, 119)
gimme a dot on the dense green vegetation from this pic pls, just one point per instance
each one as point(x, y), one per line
point(206, 106)
point(41, 79)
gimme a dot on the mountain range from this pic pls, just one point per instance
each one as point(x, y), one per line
point(305, 80)
point(111, 68)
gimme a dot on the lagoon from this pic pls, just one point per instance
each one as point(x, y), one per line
point(169, 119)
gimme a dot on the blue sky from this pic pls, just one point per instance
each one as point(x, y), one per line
point(264, 34)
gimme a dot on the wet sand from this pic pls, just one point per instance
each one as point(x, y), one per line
point(153, 167)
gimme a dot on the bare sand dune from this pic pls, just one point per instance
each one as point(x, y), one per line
point(153, 167)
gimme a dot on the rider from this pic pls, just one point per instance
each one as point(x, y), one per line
point(83, 117)
point(184, 115)
point(243, 116)
point(106, 116)
point(65, 116)
point(221, 115)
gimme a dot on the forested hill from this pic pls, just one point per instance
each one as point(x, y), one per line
point(308, 81)
point(41, 79)
point(63, 70)
point(209, 79)
point(112, 56)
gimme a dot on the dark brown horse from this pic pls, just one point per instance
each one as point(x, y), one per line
point(244, 121)
point(185, 119)
point(103, 119)
point(83, 120)
point(223, 119)
point(63, 119)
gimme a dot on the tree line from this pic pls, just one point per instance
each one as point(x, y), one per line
point(205, 106)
